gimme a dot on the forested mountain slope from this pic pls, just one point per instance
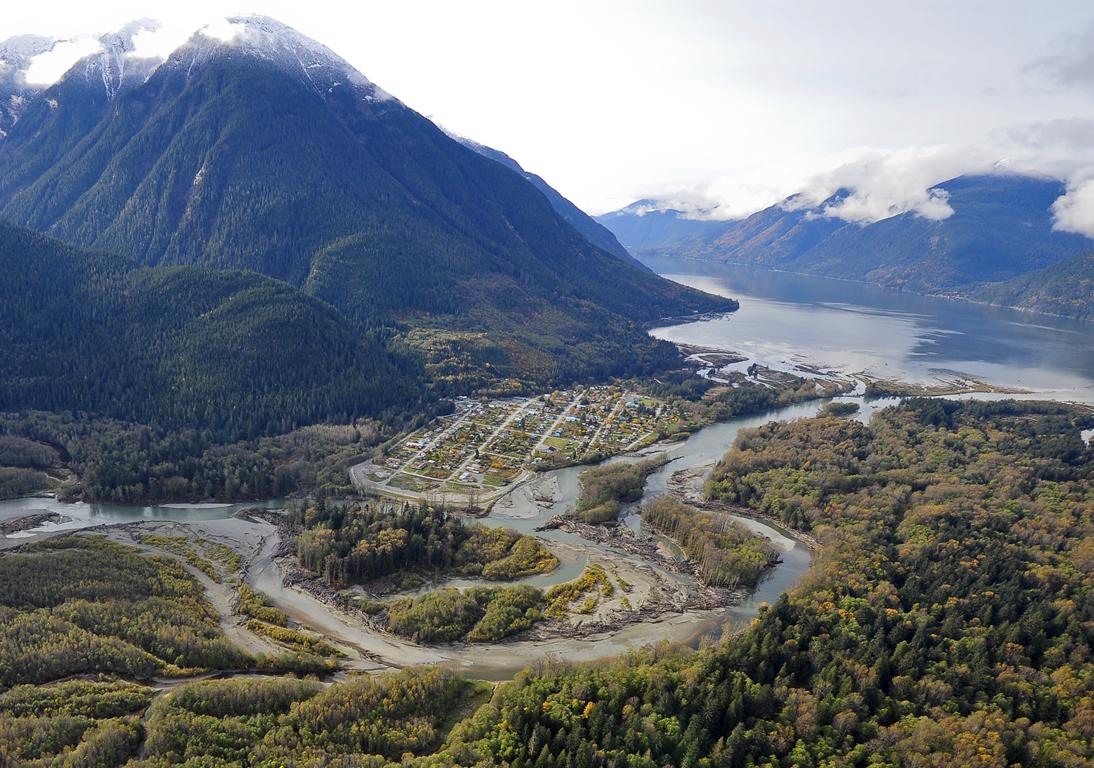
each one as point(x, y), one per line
point(227, 350)
point(1066, 289)
point(272, 154)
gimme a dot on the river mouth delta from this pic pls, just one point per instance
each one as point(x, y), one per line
point(662, 604)
point(660, 595)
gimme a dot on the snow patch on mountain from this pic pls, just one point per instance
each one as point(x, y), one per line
point(16, 53)
point(268, 39)
point(679, 207)
point(114, 65)
point(30, 64)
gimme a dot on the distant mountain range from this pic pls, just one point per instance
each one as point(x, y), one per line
point(271, 154)
point(1001, 229)
point(645, 226)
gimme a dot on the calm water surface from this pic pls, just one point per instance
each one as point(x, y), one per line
point(787, 320)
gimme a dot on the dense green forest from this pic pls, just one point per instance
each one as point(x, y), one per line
point(1065, 289)
point(607, 487)
point(231, 352)
point(122, 461)
point(278, 722)
point(476, 615)
point(369, 721)
point(360, 542)
point(726, 554)
point(26, 466)
point(72, 723)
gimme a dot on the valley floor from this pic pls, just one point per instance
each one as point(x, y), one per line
point(658, 598)
point(479, 453)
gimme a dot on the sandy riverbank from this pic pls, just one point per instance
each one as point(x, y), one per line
point(609, 629)
point(526, 501)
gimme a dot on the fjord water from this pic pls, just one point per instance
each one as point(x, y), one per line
point(788, 319)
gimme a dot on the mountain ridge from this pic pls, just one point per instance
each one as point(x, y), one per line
point(593, 231)
point(248, 156)
point(1000, 229)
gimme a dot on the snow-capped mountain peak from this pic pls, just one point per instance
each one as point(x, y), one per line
point(270, 40)
point(16, 54)
point(129, 56)
point(114, 65)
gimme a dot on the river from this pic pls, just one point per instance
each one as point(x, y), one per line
point(502, 660)
point(785, 321)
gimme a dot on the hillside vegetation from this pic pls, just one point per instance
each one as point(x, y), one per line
point(82, 604)
point(1065, 289)
point(121, 461)
point(231, 352)
point(231, 157)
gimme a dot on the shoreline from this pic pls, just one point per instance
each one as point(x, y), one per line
point(944, 296)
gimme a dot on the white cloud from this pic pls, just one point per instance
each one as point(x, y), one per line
point(888, 183)
point(46, 68)
point(159, 42)
point(1074, 211)
point(881, 183)
point(223, 30)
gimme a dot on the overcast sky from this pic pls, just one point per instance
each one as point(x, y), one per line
point(738, 104)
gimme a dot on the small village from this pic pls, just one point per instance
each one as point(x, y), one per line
point(485, 447)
